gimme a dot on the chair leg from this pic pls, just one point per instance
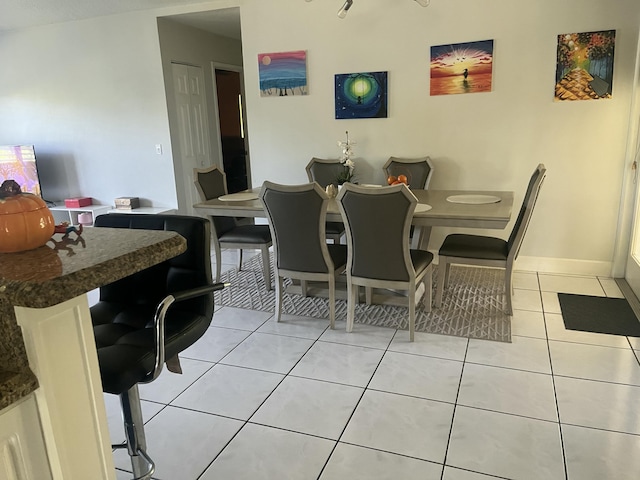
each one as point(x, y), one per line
point(143, 466)
point(303, 287)
point(442, 273)
point(278, 281)
point(508, 289)
point(239, 259)
point(368, 295)
point(216, 248)
point(412, 312)
point(428, 290)
point(352, 290)
point(266, 268)
point(332, 302)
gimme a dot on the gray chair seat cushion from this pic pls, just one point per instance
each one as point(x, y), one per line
point(421, 259)
point(338, 254)
point(474, 246)
point(247, 234)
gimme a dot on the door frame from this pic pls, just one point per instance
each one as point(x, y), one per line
point(628, 231)
point(238, 69)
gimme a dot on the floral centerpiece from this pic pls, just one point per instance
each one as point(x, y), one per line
point(346, 160)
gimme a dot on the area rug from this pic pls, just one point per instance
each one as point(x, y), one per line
point(472, 305)
point(586, 313)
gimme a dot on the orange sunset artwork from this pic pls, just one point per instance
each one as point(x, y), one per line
point(461, 68)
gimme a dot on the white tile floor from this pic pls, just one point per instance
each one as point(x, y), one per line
point(295, 400)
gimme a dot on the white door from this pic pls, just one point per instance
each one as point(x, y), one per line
point(191, 107)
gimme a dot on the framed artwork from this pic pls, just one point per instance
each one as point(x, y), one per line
point(361, 95)
point(282, 74)
point(461, 68)
point(584, 68)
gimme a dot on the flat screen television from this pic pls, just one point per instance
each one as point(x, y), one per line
point(18, 162)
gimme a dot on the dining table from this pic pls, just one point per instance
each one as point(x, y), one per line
point(486, 209)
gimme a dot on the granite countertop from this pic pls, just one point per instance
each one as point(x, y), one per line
point(61, 270)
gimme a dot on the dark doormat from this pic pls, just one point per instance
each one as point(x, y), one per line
point(599, 315)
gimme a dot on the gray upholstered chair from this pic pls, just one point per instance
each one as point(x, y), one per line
point(297, 217)
point(211, 183)
point(377, 222)
point(487, 251)
point(418, 170)
point(325, 172)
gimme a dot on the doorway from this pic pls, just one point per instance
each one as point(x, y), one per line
point(194, 142)
point(228, 90)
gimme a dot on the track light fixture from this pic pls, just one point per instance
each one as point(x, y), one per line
point(348, 3)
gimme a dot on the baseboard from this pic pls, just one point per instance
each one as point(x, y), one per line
point(563, 266)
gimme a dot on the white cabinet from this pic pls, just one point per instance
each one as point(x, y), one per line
point(23, 455)
point(64, 214)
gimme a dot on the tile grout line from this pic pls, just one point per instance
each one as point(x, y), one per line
point(553, 381)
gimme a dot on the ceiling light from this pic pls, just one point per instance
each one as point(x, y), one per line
point(347, 5)
point(345, 8)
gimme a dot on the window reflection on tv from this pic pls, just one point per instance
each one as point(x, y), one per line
point(18, 162)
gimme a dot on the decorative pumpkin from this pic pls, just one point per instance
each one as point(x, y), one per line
point(25, 221)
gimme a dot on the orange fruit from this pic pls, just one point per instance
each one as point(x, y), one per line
point(403, 179)
point(397, 182)
point(391, 179)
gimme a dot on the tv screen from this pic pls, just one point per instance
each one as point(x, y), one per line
point(18, 162)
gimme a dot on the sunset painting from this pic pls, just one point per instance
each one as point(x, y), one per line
point(462, 68)
point(283, 74)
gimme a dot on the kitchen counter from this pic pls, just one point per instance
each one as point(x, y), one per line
point(42, 304)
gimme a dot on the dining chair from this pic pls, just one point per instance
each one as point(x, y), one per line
point(227, 233)
point(485, 251)
point(297, 218)
point(377, 222)
point(418, 170)
point(143, 321)
point(325, 172)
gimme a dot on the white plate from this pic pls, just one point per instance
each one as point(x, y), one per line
point(239, 197)
point(422, 207)
point(473, 199)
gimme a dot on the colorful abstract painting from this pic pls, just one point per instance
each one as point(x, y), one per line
point(361, 95)
point(584, 69)
point(462, 68)
point(282, 74)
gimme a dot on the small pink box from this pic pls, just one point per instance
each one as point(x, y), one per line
point(77, 202)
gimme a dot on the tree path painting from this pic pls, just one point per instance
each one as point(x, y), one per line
point(584, 69)
point(462, 68)
point(282, 74)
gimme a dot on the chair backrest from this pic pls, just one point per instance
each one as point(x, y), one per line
point(418, 170)
point(212, 183)
point(191, 269)
point(377, 223)
point(297, 216)
point(524, 216)
point(324, 171)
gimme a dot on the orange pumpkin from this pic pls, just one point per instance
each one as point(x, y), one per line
point(25, 221)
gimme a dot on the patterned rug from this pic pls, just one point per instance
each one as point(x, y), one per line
point(472, 305)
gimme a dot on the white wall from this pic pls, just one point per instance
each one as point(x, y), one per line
point(90, 95)
point(485, 140)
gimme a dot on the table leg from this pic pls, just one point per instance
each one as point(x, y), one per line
point(420, 239)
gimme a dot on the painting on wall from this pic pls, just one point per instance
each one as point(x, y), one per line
point(584, 68)
point(361, 95)
point(461, 68)
point(282, 74)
